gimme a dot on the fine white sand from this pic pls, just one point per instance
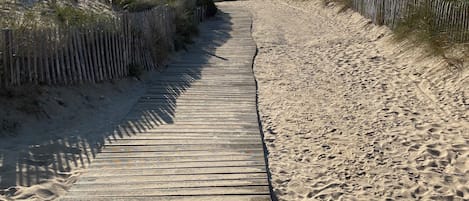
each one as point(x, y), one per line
point(350, 115)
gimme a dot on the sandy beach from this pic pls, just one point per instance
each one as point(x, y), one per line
point(350, 115)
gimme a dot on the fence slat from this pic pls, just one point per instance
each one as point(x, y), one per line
point(125, 36)
point(466, 23)
point(70, 64)
point(56, 56)
point(89, 58)
point(97, 45)
point(81, 56)
point(42, 58)
point(47, 71)
point(115, 58)
point(76, 49)
point(104, 58)
point(16, 59)
point(118, 49)
point(7, 56)
point(107, 55)
point(120, 52)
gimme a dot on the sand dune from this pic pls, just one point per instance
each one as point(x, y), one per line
point(350, 115)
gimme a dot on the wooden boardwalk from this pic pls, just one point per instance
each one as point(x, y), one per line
point(195, 134)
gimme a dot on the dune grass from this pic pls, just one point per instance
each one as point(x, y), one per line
point(344, 4)
point(421, 29)
point(419, 26)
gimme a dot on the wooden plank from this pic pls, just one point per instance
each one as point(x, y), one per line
point(177, 177)
point(119, 155)
point(157, 142)
point(195, 147)
point(177, 184)
point(174, 198)
point(180, 159)
point(250, 190)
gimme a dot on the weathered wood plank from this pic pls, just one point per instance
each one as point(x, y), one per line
point(246, 190)
point(174, 198)
point(176, 184)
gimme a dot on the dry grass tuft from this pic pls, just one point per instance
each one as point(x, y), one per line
point(420, 27)
point(344, 4)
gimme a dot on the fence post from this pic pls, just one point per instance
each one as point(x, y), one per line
point(7, 57)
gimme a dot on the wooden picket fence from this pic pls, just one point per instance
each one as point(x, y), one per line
point(54, 56)
point(451, 17)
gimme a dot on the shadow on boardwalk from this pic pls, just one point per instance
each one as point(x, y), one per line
point(58, 157)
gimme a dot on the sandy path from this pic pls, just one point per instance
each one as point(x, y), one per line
point(346, 116)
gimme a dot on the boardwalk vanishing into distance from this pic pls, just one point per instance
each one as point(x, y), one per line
point(195, 133)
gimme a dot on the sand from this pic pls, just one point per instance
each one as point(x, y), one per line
point(50, 134)
point(350, 115)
